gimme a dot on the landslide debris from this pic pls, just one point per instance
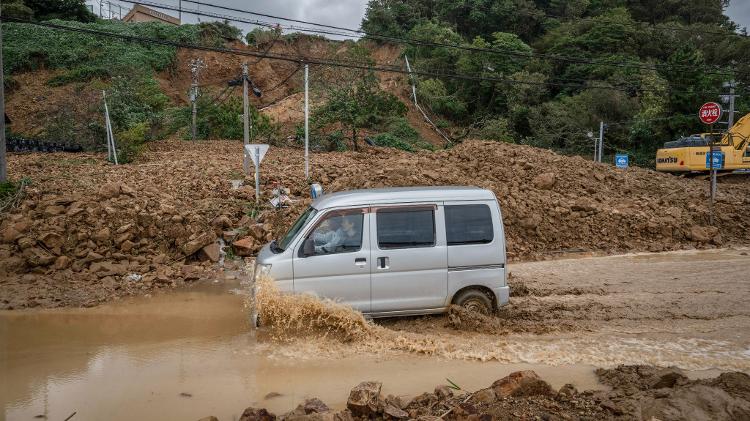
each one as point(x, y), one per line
point(637, 393)
point(89, 231)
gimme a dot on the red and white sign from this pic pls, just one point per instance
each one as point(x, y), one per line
point(710, 113)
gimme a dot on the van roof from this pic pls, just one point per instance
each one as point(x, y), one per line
point(401, 195)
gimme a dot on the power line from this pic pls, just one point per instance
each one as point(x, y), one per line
point(412, 41)
point(360, 31)
point(377, 67)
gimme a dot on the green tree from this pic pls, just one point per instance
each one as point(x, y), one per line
point(60, 9)
point(356, 101)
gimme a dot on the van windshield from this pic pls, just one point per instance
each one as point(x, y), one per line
point(303, 219)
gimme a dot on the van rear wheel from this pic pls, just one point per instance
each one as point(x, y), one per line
point(475, 300)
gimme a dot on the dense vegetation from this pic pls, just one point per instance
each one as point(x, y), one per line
point(641, 66)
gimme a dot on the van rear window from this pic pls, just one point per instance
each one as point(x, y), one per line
point(406, 227)
point(468, 224)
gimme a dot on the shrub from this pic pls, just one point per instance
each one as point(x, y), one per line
point(495, 129)
point(130, 142)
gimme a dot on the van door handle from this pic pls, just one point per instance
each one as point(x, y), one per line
point(382, 263)
point(360, 261)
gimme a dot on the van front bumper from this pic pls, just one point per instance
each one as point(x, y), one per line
point(502, 295)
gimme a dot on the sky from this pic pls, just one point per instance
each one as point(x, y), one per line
point(739, 11)
point(346, 13)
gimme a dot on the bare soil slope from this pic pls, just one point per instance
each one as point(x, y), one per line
point(87, 225)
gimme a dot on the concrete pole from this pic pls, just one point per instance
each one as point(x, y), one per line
point(3, 161)
point(106, 125)
point(257, 174)
point(307, 128)
point(411, 77)
point(730, 120)
point(596, 147)
point(601, 141)
point(245, 117)
point(194, 99)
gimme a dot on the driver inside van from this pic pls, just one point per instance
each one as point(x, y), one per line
point(336, 234)
point(328, 236)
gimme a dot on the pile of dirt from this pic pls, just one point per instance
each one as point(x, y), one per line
point(638, 392)
point(86, 222)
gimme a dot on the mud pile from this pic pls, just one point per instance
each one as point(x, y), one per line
point(638, 392)
point(85, 225)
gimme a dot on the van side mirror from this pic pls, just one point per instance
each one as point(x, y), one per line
point(308, 247)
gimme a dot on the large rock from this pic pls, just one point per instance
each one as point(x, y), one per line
point(545, 181)
point(52, 240)
point(257, 414)
point(521, 383)
point(10, 234)
point(36, 256)
point(192, 246)
point(363, 399)
point(395, 413)
point(244, 247)
point(211, 252)
point(699, 234)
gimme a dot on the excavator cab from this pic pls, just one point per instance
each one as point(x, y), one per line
point(688, 154)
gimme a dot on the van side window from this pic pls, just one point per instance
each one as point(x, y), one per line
point(338, 232)
point(406, 227)
point(468, 224)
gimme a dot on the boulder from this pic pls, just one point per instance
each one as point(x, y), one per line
point(443, 392)
point(257, 414)
point(211, 252)
point(545, 181)
point(314, 406)
point(10, 235)
point(127, 246)
point(485, 396)
point(192, 246)
point(244, 247)
point(62, 262)
point(568, 390)
point(699, 234)
point(393, 412)
point(521, 383)
point(36, 256)
point(102, 235)
point(363, 399)
point(52, 240)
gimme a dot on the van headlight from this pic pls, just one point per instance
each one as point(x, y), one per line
point(262, 270)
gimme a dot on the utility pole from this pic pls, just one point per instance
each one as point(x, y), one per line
point(601, 141)
point(246, 116)
point(307, 117)
point(196, 65)
point(730, 99)
point(3, 162)
point(179, 7)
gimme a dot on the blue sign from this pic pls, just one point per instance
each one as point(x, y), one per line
point(718, 158)
point(621, 160)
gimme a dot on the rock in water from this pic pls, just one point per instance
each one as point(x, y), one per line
point(363, 399)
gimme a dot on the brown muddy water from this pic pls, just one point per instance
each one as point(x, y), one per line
point(188, 354)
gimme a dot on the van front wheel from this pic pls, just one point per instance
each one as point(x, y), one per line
point(474, 300)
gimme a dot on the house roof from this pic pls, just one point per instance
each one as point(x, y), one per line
point(139, 8)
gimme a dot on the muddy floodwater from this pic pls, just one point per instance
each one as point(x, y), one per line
point(188, 354)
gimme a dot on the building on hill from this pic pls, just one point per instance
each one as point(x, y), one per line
point(140, 13)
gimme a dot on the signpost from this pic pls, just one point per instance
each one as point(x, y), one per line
point(709, 114)
point(256, 152)
point(621, 160)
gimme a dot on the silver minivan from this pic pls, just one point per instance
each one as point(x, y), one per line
point(397, 251)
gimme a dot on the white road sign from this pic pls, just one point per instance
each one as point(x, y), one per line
point(256, 152)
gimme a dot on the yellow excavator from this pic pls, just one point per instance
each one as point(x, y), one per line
point(688, 154)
